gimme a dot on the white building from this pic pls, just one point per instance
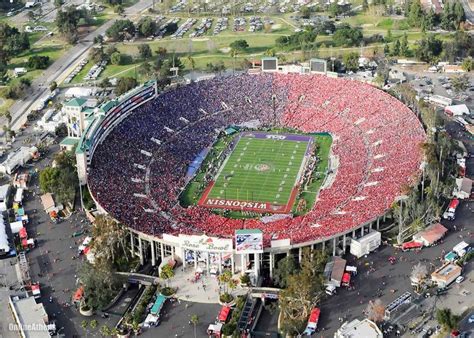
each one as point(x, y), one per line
point(4, 196)
point(359, 328)
point(366, 244)
point(4, 244)
point(16, 159)
point(457, 110)
point(463, 188)
point(31, 319)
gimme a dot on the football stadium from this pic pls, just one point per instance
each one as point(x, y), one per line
point(233, 170)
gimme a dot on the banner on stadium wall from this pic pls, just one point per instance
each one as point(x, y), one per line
point(200, 243)
point(248, 241)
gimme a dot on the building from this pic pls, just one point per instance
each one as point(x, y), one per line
point(77, 110)
point(19, 71)
point(31, 319)
point(4, 244)
point(359, 328)
point(453, 69)
point(79, 92)
point(431, 234)
point(446, 274)
point(334, 271)
point(17, 158)
point(463, 188)
point(48, 202)
point(4, 196)
point(366, 244)
point(20, 180)
point(457, 110)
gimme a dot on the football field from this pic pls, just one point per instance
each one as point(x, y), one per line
point(259, 174)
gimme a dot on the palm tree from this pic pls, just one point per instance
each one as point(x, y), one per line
point(418, 274)
point(192, 62)
point(376, 310)
point(105, 331)
point(84, 325)
point(194, 320)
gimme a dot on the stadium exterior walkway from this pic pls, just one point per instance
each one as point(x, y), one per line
point(204, 290)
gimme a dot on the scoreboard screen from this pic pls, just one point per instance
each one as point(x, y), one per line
point(269, 64)
point(318, 66)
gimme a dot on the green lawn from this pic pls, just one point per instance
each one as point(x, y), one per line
point(318, 176)
point(260, 170)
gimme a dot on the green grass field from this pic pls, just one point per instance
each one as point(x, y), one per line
point(260, 170)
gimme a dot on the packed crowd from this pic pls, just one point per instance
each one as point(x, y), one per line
point(375, 143)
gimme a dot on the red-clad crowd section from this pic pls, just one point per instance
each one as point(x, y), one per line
point(375, 152)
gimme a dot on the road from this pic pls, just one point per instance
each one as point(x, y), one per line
point(39, 87)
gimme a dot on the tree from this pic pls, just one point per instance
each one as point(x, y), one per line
point(389, 36)
point(415, 14)
point(47, 179)
point(285, 268)
point(167, 273)
point(93, 324)
point(351, 61)
point(460, 83)
point(38, 62)
point(105, 83)
point(303, 292)
point(52, 86)
point(305, 12)
point(105, 330)
point(97, 54)
point(145, 68)
point(239, 45)
point(447, 319)
point(67, 21)
point(468, 64)
point(124, 84)
point(110, 243)
point(191, 62)
point(117, 58)
point(225, 277)
point(145, 51)
point(347, 36)
point(365, 5)
point(375, 310)
point(404, 45)
point(386, 49)
point(58, 3)
point(429, 48)
point(419, 274)
point(120, 29)
point(61, 130)
point(146, 26)
point(334, 9)
point(194, 320)
point(100, 283)
point(396, 48)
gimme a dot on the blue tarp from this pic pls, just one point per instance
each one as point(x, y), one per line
point(196, 164)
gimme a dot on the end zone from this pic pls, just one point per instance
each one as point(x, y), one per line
point(261, 207)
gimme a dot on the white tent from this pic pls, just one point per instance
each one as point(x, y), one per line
point(457, 110)
point(4, 245)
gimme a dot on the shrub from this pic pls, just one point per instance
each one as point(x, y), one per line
point(167, 291)
point(226, 298)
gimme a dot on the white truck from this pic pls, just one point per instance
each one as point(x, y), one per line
point(450, 213)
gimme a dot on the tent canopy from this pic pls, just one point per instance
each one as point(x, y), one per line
point(159, 302)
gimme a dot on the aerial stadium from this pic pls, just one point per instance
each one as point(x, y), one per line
point(230, 172)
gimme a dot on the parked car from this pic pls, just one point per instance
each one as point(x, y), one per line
point(459, 279)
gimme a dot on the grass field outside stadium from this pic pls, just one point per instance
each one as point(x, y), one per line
point(260, 173)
